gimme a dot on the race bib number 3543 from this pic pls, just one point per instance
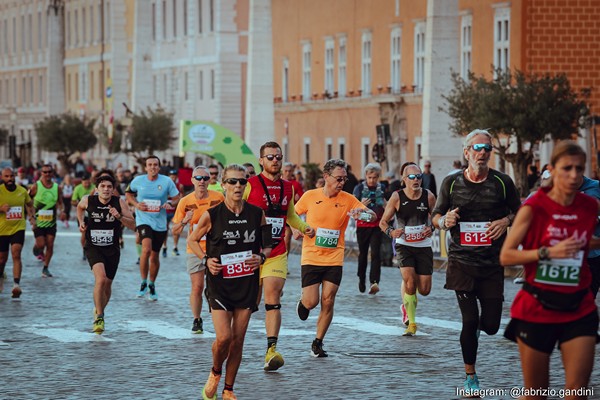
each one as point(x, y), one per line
point(473, 234)
point(234, 265)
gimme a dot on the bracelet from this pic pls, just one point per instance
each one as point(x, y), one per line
point(263, 258)
point(388, 231)
point(442, 223)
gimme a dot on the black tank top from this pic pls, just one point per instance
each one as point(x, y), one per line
point(413, 212)
point(103, 230)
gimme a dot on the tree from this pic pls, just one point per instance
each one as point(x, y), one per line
point(519, 111)
point(66, 134)
point(313, 173)
point(148, 133)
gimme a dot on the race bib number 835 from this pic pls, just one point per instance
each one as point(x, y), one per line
point(234, 265)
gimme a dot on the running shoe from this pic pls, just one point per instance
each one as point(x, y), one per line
point(175, 251)
point(374, 288)
point(404, 314)
point(197, 326)
point(302, 311)
point(2, 279)
point(471, 385)
point(143, 290)
point(209, 391)
point(361, 286)
point(317, 350)
point(273, 359)
point(152, 290)
point(228, 395)
point(40, 257)
point(98, 326)
point(411, 330)
point(164, 252)
point(16, 291)
point(46, 273)
point(37, 251)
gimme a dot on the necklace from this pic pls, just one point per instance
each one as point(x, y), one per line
point(468, 171)
point(237, 213)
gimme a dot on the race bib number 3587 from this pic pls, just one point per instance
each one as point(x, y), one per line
point(473, 234)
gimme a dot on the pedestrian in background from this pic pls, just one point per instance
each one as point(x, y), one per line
point(428, 182)
point(67, 191)
point(551, 237)
point(372, 194)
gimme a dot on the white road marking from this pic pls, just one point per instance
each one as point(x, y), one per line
point(67, 335)
point(370, 326)
point(166, 330)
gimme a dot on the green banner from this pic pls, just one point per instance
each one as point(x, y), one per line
point(216, 141)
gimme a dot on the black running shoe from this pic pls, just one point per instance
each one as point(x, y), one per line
point(197, 326)
point(302, 311)
point(362, 286)
point(317, 350)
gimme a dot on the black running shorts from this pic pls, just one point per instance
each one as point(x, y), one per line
point(313, 274)
point(50, 231)
point(16, 238)
point(109, 257)
point(157, 237)
point(487, 282)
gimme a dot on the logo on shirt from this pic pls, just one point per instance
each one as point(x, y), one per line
point(231, 235)
point(422, 207)
point(405, 203)
point(237, 221)
point(319, 202)
point(565, 217)
point(160, 187)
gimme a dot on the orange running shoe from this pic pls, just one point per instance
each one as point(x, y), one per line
point(209, 391)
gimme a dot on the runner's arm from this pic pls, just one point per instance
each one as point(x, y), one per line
point(193, 240)
point(126, 216)
point(294, 220)
point(391, 208)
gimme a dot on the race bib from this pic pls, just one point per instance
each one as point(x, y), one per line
point(45, 215)
point(414, 234)
point(234, 265)
point(327, 238)
point(102, 237)
point(276, 227)
point(152, 205)
point(473, 234)
point(560, 271)
point(14, 213)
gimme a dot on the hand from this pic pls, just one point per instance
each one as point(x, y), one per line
point(497, 228)
point(310, 232)
point(213, 266)
point(567, 248)
point(396, 233)
point(428, 232)
point(188, 216)
point(253, 262)
point(452, 218)
point(63, 216)
point(82, 227)
point(4, 208)
point(141, 206)
point(168, 206)
point(296, 234)
point(355, 212)
point(366, 201)
point(113, 211)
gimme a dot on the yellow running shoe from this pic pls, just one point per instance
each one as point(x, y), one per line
point(228, 395)
point(99, 326)
point(209, 391)
point(411, 330)
point(273, 359)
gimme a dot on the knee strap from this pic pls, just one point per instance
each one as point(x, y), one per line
point(269, 307)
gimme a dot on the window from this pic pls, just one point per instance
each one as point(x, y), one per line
point(31, 89)
point(14, 90)
point(419, 77)
point(68, 87)
point(76, 27)
point(396, 57)
point(68, 29)
point(212, 84)
point(100, 23)
point(23, 34)
point(201, 85)
point(39, 30)
point(306, 56)
point(174, 18)
point(2, 48)
point(164, 19)
point(212, 15)
point(329, 65)
point(14, 35)
point(185, 86)
point(366, 144)
point(92, 85)
point(107, 19)
point(164, 91)
point(306, 150)
point(342, 67)
point(199, 16)
point(366, 64)
point(83, 27)
point(501, 38)
point(76, 91)
point(41, 89)
point(24, 91)
point(154, 21)
point(5, 36)
point(30, 29)
point(342, 148)
point(328, 149)
point(185, 18)
point(92, 32)
point(285, 80)
point(1, 91)
point(466, 25)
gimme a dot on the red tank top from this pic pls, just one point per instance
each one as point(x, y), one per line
point(277, 213)
point(552, 223)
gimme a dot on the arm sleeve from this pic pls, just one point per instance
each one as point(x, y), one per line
point(293, 219)
point(247, 191)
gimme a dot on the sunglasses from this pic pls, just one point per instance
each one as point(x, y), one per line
point(214, 173)
point(340, 179)
point(47, 172)
point(482, 146)
point(270, 157)
point(412, 177)
point(204, 178)
point(235, 181)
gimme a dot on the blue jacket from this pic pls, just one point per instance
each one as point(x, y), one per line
point(591, 187)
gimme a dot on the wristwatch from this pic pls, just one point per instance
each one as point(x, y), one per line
point(543, 253)
point(263, 258)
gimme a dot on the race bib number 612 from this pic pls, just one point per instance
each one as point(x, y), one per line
point(474, 234)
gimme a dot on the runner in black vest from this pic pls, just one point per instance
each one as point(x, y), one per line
point(102, 230)
point(236, 233)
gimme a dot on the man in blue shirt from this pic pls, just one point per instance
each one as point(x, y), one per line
point(149, 195)
point(591, 187)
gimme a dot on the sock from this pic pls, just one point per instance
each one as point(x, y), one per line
point(138, 247)
point(228, 387)
point(216, 372)
point(17, 280)
point(271, 340)
point(100, 316)
point(45, 267)
point(410, 303)
point(318, 341)
point(150, 283)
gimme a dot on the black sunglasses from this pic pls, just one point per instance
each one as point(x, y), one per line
point(47, 172)
point(414, 176)
point(235, 181)
point(214, 173)
point(270, 157)
point(204, 178)
point(482, 146)
point(340, 179)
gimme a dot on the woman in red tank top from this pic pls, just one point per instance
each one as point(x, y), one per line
point(554, 228)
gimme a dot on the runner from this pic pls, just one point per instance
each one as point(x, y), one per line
point(170, 215)
point(591, 187)
point(189, 210)
point(368, 234)
point(85, 188)
point(148, 194)
point(327, 210)
point(276, 198)
point(555, 227)
point(14, 201)
point(476, 205)
point(102, 229)
point(236, 233)
point(287, 173)
point(214, 183)
point(67, 191)
point(412, 207)
point(47, 197)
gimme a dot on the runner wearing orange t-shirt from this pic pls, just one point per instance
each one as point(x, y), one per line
point(189, 210)
point(328, 211)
